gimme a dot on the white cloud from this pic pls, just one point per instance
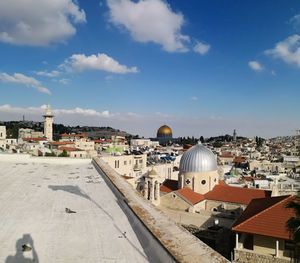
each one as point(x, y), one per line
point(194, 98)
point(255, 65)
point(201, 48)
point(50, 74)
point(150, 21)
point(287, 50)
point(273, 73)
point(81, 62)
point(295, 21)
point(83, 112)
point(18, 78)
point(38, 22)
point(64, 81)
point(40, 110)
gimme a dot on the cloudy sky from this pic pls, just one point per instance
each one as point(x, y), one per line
point(202, 67)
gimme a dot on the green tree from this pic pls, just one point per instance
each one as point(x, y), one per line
point(63, 154)
point(293, 225)
point(201, 139)
point(50, 154)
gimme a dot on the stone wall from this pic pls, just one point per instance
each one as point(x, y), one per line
point(246, 256)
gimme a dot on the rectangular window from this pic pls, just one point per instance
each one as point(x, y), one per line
point(125, 162)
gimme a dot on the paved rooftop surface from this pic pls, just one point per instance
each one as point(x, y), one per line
point(33, 198)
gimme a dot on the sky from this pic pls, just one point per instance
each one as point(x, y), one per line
point(202, 67)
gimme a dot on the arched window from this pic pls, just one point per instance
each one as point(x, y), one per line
point(149, 190)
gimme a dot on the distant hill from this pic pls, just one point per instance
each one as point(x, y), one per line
point(12, 128)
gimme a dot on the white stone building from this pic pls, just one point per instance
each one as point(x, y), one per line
point(3, 137)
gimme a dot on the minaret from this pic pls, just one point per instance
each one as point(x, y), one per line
point(48, 121)
point(234, 135)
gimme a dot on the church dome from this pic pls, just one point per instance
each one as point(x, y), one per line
point(164, 131)
point(198, 159)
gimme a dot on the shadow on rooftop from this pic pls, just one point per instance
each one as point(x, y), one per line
point(77, 191)
point(19, 256)
point(72, 189)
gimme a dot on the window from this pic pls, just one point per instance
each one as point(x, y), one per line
point(203, 182)
point(141, 161)
point(117, 164)
point(125, 162)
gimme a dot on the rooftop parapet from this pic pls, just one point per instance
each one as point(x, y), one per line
point(179, 243)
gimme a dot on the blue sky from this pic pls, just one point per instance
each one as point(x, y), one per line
point(202, 67)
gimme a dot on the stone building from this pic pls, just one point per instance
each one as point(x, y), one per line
point(3, 137)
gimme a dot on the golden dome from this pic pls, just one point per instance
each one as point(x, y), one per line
point(164, 131)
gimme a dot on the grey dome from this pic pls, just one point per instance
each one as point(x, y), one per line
point(198, 159)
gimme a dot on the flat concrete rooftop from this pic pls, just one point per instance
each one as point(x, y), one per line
point(33, 199)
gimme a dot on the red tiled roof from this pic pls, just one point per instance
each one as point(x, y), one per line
point(68, 149)
point(226, 155)
point(127, 177)
point(60, 143)
point(233, 194)
point(35, 139)
point(267, 217)
point(169, 186)
point(239, 159)
point(190, 196)
point(222, 182)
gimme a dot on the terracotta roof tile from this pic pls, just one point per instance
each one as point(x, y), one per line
point(226, 155)
point(239, 159)
point(267, 217)
point(189, 195)
point(68, 149)
point(35, 139)
point(169, 186)
point(60, 143)
point(233, 194)
point(127, 177)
